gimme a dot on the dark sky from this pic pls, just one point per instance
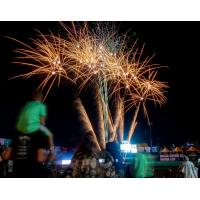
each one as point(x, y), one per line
point(176, 45)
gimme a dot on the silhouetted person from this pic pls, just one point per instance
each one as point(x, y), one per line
point(89, 162)
point(188, 169)
point(114, 149)
point(29, 153)
point(85, 160)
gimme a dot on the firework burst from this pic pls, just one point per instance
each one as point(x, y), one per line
point(99, 56)
point(45, 57)
point(149, 90)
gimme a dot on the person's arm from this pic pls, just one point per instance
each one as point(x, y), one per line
point(43, 120)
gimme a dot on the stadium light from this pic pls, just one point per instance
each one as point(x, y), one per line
point(66, 162)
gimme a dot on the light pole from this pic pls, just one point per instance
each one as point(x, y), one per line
point(151, 143)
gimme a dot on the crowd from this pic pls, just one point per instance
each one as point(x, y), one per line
point(32, 149)
point(89, 162)
point(31, 153)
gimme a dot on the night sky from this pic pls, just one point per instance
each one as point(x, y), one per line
point(176, 45)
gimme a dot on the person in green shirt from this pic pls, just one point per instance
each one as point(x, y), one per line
point(142, 167)
point(32, 118)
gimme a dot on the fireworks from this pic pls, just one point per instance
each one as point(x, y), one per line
point(148, 90)
point(100, 132)
point(83, 56)
point(44, 57)
point(86, 124)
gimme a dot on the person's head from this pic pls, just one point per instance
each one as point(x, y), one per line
point(37, 96)
point(186, 158)
point(88, 143)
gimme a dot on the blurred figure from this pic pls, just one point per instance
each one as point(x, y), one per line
point(129, 169)
point(140, 166)
point(114, 149)
point(107, 165)
point(85, 163)
point(143, 168)
point(10, 168)
point(89, 162)
point(198, 164)
point(32, 118)
point(188, 169)
point(1, 161)
point(29, 154)
point(32, 143)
